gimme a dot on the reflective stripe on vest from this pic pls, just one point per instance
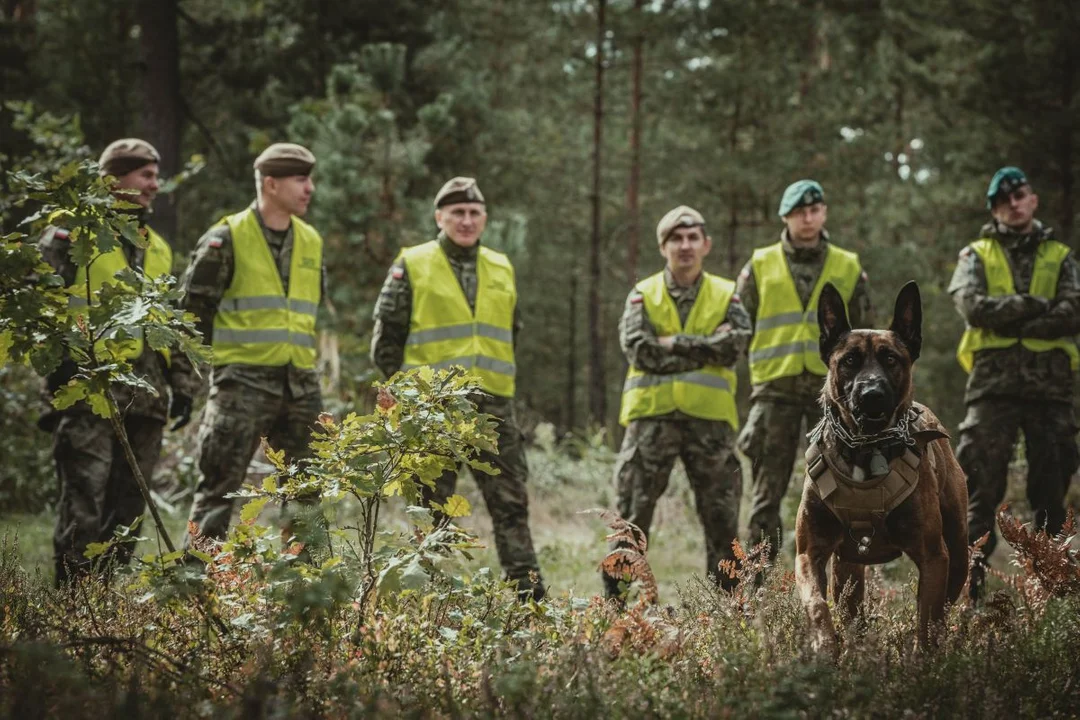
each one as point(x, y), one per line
point(1049, 258)
point(256, 322)
point(444, 331)
point(785, 341)
point(708, 393)
point(157, 262)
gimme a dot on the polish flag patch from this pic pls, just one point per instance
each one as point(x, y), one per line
point(397, 273)
point(637, 299)
point(214, 242)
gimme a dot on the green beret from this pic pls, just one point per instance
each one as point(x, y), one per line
point(681, 216)
point(1004, 182)
point(126, 155)
point(284, 160)
point(459, 190)
point(800, 194)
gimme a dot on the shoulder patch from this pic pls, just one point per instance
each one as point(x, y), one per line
point(637, 299)
point(735, 299)
point(215, 241)
point(61, 234)
point(966, 251)
point(397, 273)
point(744, 274)
point(865, 277)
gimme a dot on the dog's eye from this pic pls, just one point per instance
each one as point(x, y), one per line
point(890, 360)
point(850, 360)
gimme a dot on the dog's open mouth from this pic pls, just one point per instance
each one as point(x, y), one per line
point(872, 422)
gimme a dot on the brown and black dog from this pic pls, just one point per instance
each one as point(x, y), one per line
point(881, 476)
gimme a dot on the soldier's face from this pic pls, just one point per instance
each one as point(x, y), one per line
point(143, 181)
point(463, 223)
point(804, 223)
point(292, 194)
point(685, 248)
point(1017, 209)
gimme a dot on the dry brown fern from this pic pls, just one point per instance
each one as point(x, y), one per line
point(627, 561)
point(644, 629)
point(1048, 566)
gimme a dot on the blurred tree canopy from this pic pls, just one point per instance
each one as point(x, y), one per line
point(902, 110)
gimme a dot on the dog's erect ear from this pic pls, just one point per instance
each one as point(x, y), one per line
point(832, 320)
point(907, 319)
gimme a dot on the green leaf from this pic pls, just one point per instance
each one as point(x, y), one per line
point(99, 404)
point(456, 506)
point(413, 576)
point(93, 550)
point(251, 510)
point(68, 395)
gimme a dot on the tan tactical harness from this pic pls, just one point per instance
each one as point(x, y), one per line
point(863, 505)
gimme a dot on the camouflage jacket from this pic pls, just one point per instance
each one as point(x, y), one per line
point(205, 282)
point(1016, 372)
point(806, 265)
point(393, 313)
point(178, 375)
point(641, 346)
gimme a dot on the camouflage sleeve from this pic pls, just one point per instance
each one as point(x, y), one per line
point(1063, 318)
point(860, 309)
point(207, 277)
point(723, 347)
point(54, 246)
point(746, 289)
point(1001, 313)
point(640, 345)
point(393, 311)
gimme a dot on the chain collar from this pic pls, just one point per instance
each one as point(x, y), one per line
point(898, 433)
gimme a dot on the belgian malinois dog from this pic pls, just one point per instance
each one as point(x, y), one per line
point(881, 477)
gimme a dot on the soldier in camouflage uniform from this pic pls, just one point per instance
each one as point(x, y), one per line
point(255, 282)
point(98, 492)
point(779, 288)
point(427, 314)
point(1018, 289)
point(682, 331)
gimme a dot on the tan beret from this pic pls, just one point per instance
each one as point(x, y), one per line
point(285, 160)
point(459, 190)
point(681, 216)
point(126, 155)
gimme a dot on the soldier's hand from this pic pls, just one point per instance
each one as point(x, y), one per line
point(180, 410)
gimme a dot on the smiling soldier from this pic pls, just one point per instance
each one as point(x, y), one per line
point(452, 301)
point(780, 287)
point(255, 282)
point(682, 331)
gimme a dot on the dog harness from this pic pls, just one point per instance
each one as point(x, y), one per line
point(862, 505)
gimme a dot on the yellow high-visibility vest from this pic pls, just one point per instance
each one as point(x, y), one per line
point(1049, 257)
point(444, 331)
point(785, 341)
point(256, 322)
point(157, 262)
point(708, 393)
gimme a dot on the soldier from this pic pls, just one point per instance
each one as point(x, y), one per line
point(779, 288)
point(1018, 289)
point(452, 301)
point(255, 282)
point(682, 330)
point(98, 492)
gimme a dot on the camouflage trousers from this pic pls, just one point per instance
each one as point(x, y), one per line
point(771, 437)
point(236, 418)
point(507, 501)
point(98, 492)
point(987, 439)
point(643, 469)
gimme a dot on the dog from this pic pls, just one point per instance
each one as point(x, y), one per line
point(881, 476)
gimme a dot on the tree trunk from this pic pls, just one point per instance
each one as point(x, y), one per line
point(1065, 146)
point(597, 381)
point(633, 238)
point(571, 355)
point(162, 112)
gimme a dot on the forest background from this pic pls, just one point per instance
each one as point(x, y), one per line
point(584, 122)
